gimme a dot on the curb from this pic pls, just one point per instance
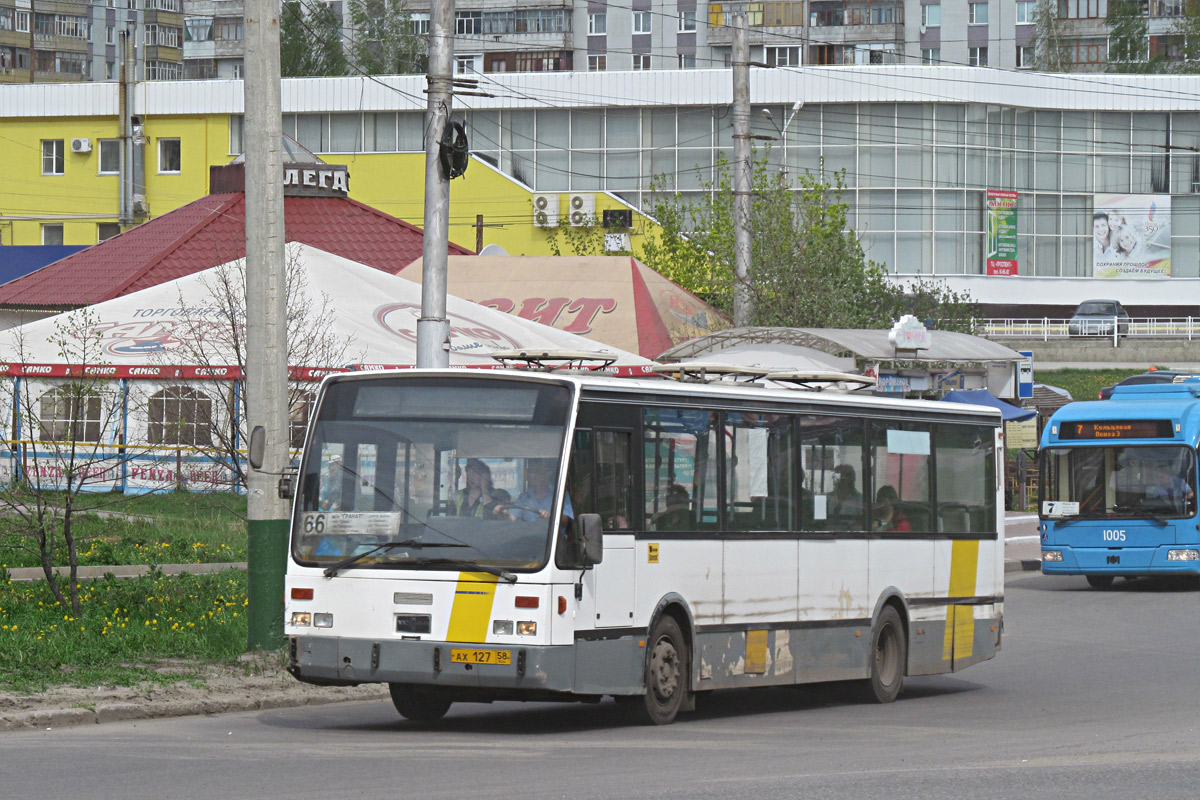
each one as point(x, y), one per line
point(1024, 565)
point(47, 719)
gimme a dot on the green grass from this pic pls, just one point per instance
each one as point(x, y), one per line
point(1085, 384)
point(124, 628)
point(182, 529)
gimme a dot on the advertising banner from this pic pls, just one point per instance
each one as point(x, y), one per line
point(1131, 236)
point(1001, 232)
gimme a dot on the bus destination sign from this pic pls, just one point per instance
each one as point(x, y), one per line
point(1118, 429)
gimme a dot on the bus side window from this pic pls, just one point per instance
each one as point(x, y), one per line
point(680, 451)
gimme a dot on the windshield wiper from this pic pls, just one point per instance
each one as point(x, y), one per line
point(333, 569)
point(466, 566)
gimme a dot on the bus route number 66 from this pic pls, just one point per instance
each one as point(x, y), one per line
point(314, 523)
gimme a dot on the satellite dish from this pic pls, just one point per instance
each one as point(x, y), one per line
point(493, 250)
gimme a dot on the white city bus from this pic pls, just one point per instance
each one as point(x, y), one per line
point(469, 536)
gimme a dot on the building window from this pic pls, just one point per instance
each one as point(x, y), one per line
point(229, 29)
point(977, 13)
point(22, 23)
point(783, 56)
point(467, 23)
point(641, 61)
point(198, 29)
point(239, 70)
point(642, 22)
point(420, 23)
point(687, 60)
point(1024, 56)
point(1026, 12)
point(52, 233)
point(110, 70)
point(1082, 9)
point(977, 56)
point(110, 156)
point(107, 230)
point(931, 16)
point(180, 415)
point(687, 21)
point(597, 24)
point(110, 35)
point(69, 414)
point(52, 156)
point(597, 63)
point(169, 156)
point(466, 63)
point(931, 55)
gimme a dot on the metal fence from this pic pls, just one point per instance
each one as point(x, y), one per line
point(1046, 328)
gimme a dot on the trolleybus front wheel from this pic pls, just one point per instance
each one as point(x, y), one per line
point(1100, 581)
point(889, 657)
point(418, 703)
point(667, 674)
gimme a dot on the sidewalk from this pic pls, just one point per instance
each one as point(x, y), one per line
point(28, 574)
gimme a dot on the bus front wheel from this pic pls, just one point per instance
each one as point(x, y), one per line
point(889, 657)
point(666, 675)
point(418, 703)
point(1100, 581)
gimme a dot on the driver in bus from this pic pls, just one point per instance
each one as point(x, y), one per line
point(1166, 489)
point(538, 498)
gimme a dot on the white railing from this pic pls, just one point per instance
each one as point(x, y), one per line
point(1046, 328)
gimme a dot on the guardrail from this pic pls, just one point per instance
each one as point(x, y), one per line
point(1047, 328)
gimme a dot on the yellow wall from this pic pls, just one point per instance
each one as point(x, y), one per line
point(391, 182)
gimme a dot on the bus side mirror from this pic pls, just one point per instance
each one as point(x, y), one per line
point(258, 446)
point(591, 539)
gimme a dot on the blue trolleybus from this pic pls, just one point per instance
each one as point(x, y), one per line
point(1119, 485)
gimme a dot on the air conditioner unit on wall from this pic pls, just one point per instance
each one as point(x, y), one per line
point(545, 210)
point(81, 145)
point(583, 209)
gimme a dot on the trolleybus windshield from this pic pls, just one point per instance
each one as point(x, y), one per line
point(464, 471)
point(1120, 482)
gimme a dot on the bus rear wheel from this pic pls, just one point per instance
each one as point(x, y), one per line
point(1100, 581)
point(667, 674)
point(889, 657)
point(418, 703)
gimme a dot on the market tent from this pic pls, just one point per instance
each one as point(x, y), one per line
point(982, 397)
point(616, 300)
point(375, 311)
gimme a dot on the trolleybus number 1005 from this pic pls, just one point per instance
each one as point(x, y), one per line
point(503, 657)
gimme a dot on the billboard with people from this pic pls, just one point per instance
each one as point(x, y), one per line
point(1131, 236)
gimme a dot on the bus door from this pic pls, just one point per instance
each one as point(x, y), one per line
point(600, 481)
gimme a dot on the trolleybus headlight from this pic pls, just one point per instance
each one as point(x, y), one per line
point(502, 627)
point(1183, 555)
point(301, 619)
point(526, 629)
point(322, 620)
point(1052, 555)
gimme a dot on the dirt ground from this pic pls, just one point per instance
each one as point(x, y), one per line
point(255, 682)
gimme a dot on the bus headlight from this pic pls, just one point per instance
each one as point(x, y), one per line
point(502, 627)
point(301, 619)
point(1183, 555)
point(526, 629)
point(322, 620)
point(1052, 555)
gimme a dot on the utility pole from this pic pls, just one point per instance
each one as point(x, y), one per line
point(743, 303)
point(266, 323)
point(433, 328)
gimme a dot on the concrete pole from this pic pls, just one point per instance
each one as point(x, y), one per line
point(743, 303)
point(433, 328)
point(266, 322)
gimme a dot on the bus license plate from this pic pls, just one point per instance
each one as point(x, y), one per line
point(480, 656)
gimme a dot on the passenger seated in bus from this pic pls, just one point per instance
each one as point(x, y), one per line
point(478, 497)
point(845, 502)
point(538, 497)
point(885, 515)
point(677, 514)
point(330, 498)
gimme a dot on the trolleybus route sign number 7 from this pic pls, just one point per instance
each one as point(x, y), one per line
point(1060, 508)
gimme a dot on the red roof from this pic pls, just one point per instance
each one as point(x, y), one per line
point(208, 232)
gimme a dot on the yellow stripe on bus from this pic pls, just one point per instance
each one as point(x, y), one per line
point(472, 610)
point(960, 620)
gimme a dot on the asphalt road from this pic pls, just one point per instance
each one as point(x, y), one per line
point(1096, 695)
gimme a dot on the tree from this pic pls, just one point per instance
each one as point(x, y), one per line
point(383, 41)
point(212, 334)
point(586, 239)
point(1049, 45)
point(808, 268)
point(310, 40)
point(70, 439)
point(1186, 35)
point(1127, 42)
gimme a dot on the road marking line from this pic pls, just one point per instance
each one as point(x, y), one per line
point(1021, 538)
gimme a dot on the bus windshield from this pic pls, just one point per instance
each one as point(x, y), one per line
point(1122, 481)
point(457, 473)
